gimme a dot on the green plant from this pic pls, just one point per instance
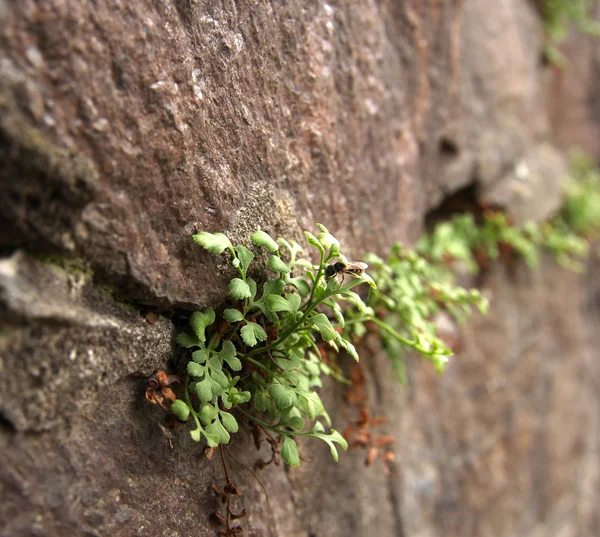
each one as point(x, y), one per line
point(560, 16)
point(411, 291)
point(566, 236)
point(263, 348)
point(462, 240)
point(581, 211)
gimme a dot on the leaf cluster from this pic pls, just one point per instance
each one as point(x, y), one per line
point(411, 290)
point(566, 236)
point(262, 350)
point(561, 16)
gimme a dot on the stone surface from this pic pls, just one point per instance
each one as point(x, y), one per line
point(127, 126)
point(573, 102)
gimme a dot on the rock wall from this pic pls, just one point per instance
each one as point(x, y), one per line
point(127, 126)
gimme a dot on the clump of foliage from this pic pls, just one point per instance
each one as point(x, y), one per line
point(581, 211)
point(411, 291)
point(562, 15)
point(261, 354)
point(262, 350)
point(474, 242)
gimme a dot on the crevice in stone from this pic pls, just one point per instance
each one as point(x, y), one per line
point(6, 424)
point(464, 200)
point(448, 148)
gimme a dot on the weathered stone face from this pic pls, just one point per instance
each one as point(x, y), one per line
point(125, 127)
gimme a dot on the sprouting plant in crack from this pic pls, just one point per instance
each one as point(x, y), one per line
point(259, 355)
point(474, 242)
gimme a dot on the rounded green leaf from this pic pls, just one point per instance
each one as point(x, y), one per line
point(200, 320)
point(238, 398)
point(203, 390)
point(238, 288)
point(281, 395)
point(278, 265)
point(233, 316)
point(295, 422)
point(324, 327)
point(260, 401)
point(278, 303)
point(217, 430)
point(215, 243)
point(245, 256)
point(229, 422)
point(219, 377)
point(180, 409)
point(194, 369)
point(207, 413)
point(289, 451)
point(301, 284)
point(252, 333)
point(260, 238)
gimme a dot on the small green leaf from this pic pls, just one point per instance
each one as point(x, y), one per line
point(260, 238)
point(239, 289)
point(324, 327)
point(194, 369)
point(328, 240)
point(252, 286)
point(232, 316)
point(228, 353)
point(200, 356)
point(203, 390)
point(238, 398)
point(215, 243)
point(318, 427)
point(294, 300)
point(282, 395)
point(245, 256)
point(278, 303)
point(350, 349)
point(273, 287)
point(180, 409)
point(312, 240)
point(252, 333)
point(278, 265)
point(260, 401)
point(211, 440)
point(187, 340)
point(289, 451)
point(299, 283)
point(200, 320)
point(229, 422)
point(195, 434)
point(207, 413)
point(234, 363)
point(218, 431)
point(295, 422)
point(220, 378)
point(334, 436)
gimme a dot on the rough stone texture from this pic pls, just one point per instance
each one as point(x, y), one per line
point(126, 126)
point(573, 102)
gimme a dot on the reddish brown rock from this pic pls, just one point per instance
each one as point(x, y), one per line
point(126, 127)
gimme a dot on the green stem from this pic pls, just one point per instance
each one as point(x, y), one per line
point(188, 401)
point(273, 428)
point(255, 362)
point(387, 328)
